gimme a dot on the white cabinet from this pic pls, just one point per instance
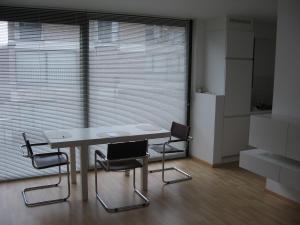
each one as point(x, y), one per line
point(228, 72)
point(293, 142)
point(238, 87)
point(279, 136)
point(268, 134)
point(240, 44)
point(290, 177)
point(275, 167)
point(256, 162)
point(236, 134)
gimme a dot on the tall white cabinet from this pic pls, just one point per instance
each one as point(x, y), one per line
point(228, 72)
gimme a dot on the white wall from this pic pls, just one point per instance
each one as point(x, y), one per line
point(287, 67)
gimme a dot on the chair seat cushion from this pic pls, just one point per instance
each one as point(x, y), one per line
point(46, 160)
point(121, 165)
point(168, 149)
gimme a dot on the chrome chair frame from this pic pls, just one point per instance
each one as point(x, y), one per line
point(31, 156)
point(163, 169)
point(107, 168)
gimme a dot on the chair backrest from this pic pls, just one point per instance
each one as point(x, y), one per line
point(125, 150)
point(180, 131)
point(28, 146)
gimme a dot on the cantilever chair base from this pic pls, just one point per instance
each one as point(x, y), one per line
point(43, 161)
point(187, 176)
point(47, 202)
point(127, 207)
point(118, 159)
point(29, 204)
point(145, 202)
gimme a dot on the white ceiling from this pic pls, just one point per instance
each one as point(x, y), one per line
point(261, 9)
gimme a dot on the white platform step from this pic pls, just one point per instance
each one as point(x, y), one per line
point(278, 168)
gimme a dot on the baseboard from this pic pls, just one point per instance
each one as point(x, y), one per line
point(203, 162)
point(281, 197)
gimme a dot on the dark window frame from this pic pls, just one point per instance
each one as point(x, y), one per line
point(29, 31)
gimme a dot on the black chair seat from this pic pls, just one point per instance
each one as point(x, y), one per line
point(168, 148)
point(47, 160)
point(121, 165)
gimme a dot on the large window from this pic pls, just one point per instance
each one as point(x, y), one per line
point(40, 88)
point(67, 70)
point(140, 78)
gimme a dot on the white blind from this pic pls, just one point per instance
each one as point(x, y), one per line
point(138, 73)
point(40, 88)
point(62, 69)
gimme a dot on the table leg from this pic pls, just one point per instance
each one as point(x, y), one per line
point(73, 164)
point(84, 171)
point(144, 174)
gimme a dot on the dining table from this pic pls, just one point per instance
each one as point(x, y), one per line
point(83, 138)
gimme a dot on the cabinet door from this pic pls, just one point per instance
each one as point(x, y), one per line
point(293, 142)
point(268, 134)
point(254, 161)
point(290, 176)
point(238, 87)
point(236, 135)
point(240, 44)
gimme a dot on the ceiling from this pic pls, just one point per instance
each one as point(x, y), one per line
point(260, 9)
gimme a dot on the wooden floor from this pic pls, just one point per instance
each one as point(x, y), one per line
point(219, 196)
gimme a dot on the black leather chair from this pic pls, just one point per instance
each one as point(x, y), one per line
point(122, 157)
point(43, 161)
point(179, 133)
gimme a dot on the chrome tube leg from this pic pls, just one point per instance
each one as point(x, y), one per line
point(163, 163)
point(29, 204)
point(123, 208)
point(163, 169)
point(134, 179)
point(96, 179)
point(59, 175)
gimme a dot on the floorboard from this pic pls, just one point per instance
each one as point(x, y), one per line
point(219, 196)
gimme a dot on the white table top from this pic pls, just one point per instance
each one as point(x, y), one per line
point(103, 135)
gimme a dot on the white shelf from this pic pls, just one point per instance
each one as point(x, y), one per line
point(278, 135)
point(277, 168)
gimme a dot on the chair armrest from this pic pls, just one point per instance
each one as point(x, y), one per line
point(173, 141)
point(39, 144)
point(50, 154)
point(99, 153)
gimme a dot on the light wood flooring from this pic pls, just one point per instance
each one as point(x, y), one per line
point(215, 196)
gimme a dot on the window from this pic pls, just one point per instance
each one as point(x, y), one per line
point(40, 89)
point(108, 31)
point(171, 35)
point(138, 80)
point(135, 71)
point(30, 31)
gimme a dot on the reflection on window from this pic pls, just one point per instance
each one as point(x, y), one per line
point(168, 34)
point(30, 31)
point(108, 31)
